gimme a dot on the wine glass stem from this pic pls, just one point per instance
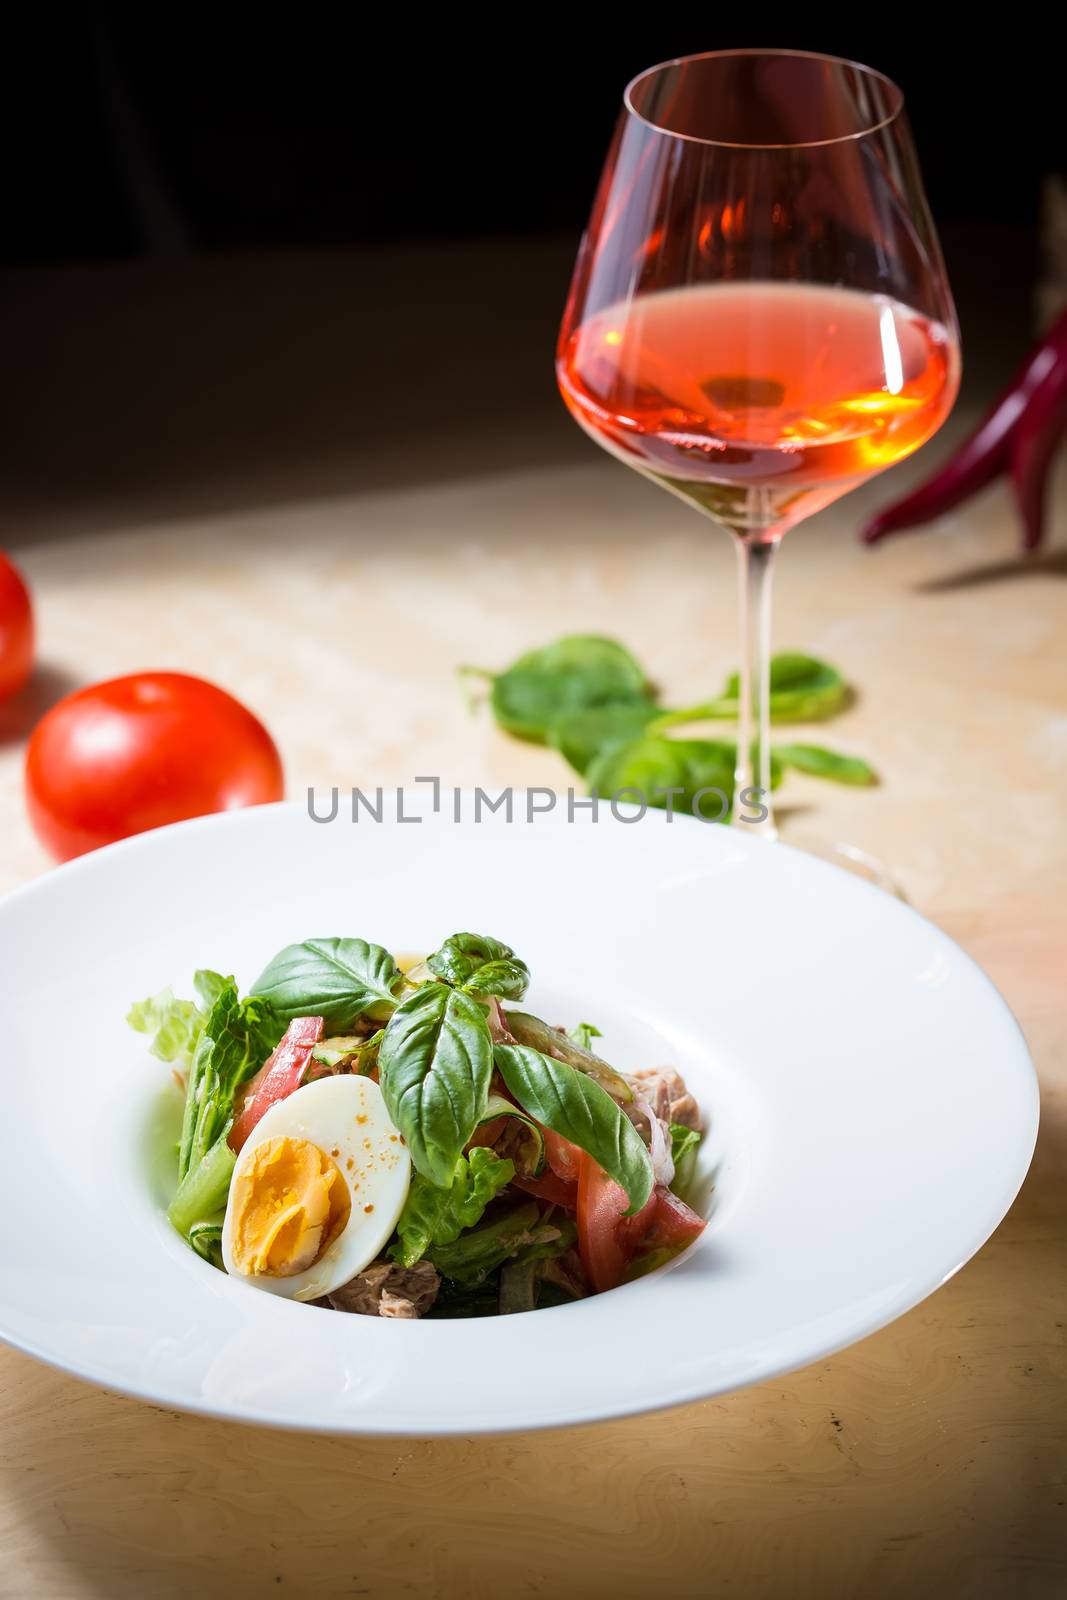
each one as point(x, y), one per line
point(752, 811)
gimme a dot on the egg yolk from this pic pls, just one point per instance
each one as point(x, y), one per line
point(289, 1202)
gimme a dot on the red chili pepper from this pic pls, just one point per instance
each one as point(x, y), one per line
point(1018, 436)
point(1034, 444)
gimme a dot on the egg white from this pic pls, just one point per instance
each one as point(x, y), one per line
point(372, 1159)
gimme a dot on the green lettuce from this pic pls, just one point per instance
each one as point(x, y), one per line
point(474, 1255)
point(435, 1216)
point(176, 1025)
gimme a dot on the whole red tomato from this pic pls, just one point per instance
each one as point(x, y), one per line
point(16, 629)
point(137, 752)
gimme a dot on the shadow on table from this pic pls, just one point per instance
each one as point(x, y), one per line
point(1047, 564)
point(20, 714)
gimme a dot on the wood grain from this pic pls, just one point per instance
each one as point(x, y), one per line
point(930, 1459)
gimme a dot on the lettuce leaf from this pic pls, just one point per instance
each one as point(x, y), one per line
point(435, 1216)
point(474, 1255)
point(176, 1025)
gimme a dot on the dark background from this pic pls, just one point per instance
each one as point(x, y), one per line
point(251, 257)
point(166, 131)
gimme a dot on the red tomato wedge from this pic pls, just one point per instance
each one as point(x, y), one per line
point(608, 1240)
point(601, 1204)
point(280, 1074)
point(564, 1158)
point(548, 1187)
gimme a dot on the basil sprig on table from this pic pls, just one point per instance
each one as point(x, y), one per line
point(571, 675)
point(339, 980)
point(588, 698)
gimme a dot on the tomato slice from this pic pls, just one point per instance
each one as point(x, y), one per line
point(608, 1239)
point(672, 1224)
point(601, 1204)
point(549, 1187)
point(280, 1074)
point(564, 1158)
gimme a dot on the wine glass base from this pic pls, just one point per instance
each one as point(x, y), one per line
point(849, 856)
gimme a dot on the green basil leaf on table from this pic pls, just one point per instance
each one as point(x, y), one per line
point(538, 1035)
point(828, 764)
point(528, 704)
point(575, 1106)
point(435, 1063)
point(480, 965)
point(585, 653)
point(580, 736)
point(803, 688)
point(339, 980)
point(436, 1216)
point(652, 765)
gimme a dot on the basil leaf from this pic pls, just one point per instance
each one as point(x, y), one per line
point(820, 763)
point(435, 1063)
point(580, 736)
point(585, 653)
point(576, 673)
point(531, 1030)
point(575, 1106)
point(684, 1145)
point(338, 980)
point(480, 965)
point(528, 704)
point(803, 689)
point(435, 1216)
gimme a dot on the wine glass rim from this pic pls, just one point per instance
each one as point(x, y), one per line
point(788, 144)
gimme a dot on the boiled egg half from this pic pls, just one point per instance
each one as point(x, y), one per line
point(316, 1190)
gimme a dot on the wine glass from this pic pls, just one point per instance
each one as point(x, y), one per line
point(759, 318)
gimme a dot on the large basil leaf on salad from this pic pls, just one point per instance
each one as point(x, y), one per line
point(339, 980)
point(575, 1106)
point(434, 1067)
point(480, 965)
point(436, 1216)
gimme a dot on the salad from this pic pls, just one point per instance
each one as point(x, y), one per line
point(401, 1139)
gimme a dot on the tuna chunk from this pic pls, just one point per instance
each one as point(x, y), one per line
point(666, 1093)
point(387, 1290)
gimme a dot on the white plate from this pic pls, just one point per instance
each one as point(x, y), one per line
point(873, 1109)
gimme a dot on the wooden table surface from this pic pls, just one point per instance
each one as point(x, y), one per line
point(335, 588)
